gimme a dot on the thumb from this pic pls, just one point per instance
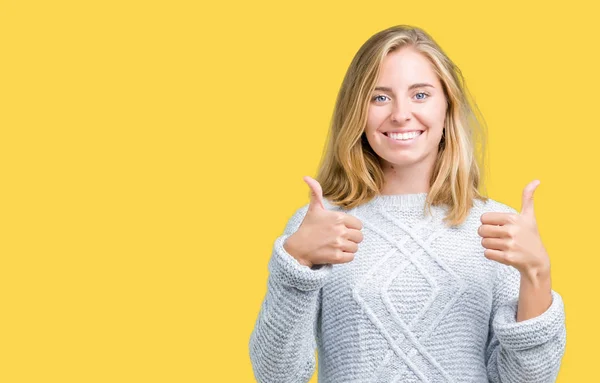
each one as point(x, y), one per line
point(527, 204)
point(316, 193)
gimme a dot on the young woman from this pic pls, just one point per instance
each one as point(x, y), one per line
point(446, 284)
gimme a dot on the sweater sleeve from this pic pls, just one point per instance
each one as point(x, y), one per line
point(283, 341)
point(527, 351)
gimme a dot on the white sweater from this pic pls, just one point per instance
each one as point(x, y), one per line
point(418, 303)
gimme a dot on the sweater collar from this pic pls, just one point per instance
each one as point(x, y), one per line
point(400, 200)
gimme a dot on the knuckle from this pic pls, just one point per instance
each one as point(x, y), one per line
point(344, 231)
point(510, 244)
point(339, 231)
point(512, 232)
point(338, 256)
point(337, 242)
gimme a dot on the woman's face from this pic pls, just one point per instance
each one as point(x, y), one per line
point(408, 98)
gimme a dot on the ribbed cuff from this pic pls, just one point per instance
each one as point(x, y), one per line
point(531, 332)
point(286, 269)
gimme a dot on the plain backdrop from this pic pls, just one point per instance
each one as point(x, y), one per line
point(152, 151)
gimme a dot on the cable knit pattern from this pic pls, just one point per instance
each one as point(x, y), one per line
point(419, 303)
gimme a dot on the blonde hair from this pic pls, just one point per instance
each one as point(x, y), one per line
point(350, 171)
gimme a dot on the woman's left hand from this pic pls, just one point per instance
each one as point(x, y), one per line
point(513, 239)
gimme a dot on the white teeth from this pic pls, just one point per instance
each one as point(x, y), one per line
point(403, 136)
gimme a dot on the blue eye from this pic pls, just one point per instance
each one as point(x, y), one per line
point(380, 95)
point(422, 93)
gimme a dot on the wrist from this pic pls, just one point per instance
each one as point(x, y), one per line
point(535, 294)
point(536, 276)
point(291, 248)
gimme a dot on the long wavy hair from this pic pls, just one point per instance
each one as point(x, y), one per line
point(350, 172)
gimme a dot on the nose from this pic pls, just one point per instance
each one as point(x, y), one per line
point(400, 110)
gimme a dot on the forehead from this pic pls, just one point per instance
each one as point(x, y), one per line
point(405, 66)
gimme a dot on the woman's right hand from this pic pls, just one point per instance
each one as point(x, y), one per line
point(324, 236)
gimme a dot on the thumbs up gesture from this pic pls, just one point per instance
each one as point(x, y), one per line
point(324, 236)
point(513, 238)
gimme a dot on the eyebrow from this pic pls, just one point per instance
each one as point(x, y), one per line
point(413, 86)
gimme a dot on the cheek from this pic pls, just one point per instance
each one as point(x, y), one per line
point(371, 130)
point(433, 118)
point(372, 136)
point(373, 121)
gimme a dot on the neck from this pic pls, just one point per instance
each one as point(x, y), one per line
point(410, 179)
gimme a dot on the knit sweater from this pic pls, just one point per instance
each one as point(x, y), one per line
point(418, 303)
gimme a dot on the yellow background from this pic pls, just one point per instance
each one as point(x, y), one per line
point(151, 152)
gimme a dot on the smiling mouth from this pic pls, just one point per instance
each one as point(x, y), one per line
point(404, 136)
